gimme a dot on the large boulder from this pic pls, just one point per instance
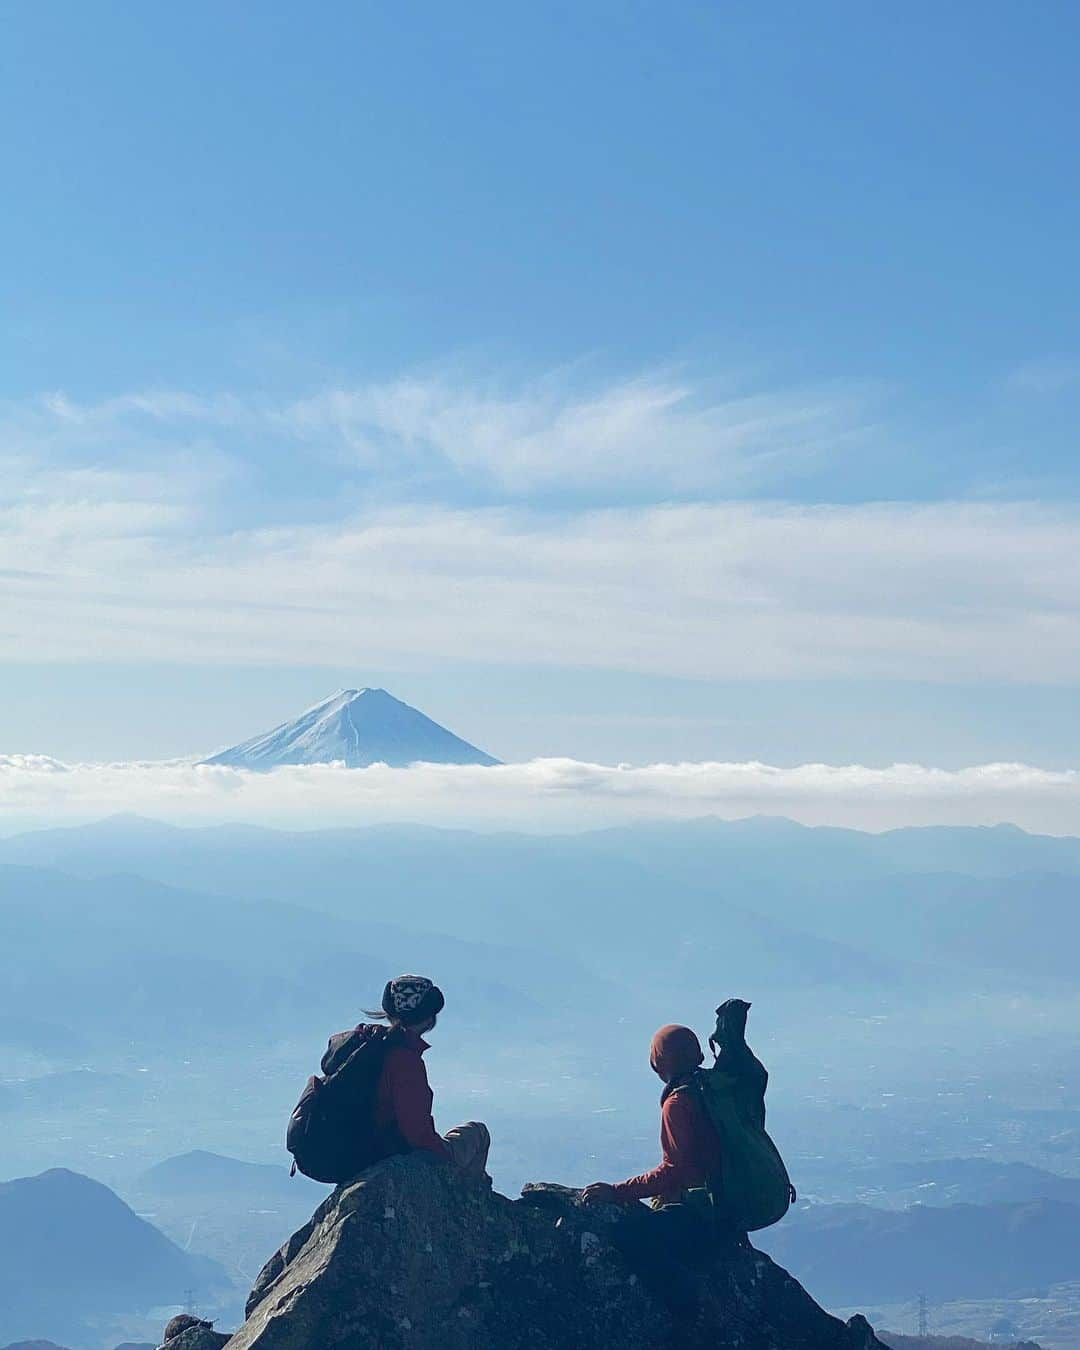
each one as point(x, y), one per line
point(187, 1332)
point(415, 1256)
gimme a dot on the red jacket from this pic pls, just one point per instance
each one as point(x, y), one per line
point(688, 1138)
point(690, 1147)
point(404, 1097)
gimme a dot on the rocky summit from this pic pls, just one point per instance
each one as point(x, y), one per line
point(414, 1256)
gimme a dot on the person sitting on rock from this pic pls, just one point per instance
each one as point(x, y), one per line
point(688, 1139)
point(680, 1226)
point(403, 1103)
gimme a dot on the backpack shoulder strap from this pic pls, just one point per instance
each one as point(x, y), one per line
point(691, 1083)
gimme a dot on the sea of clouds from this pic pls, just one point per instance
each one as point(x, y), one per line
point(540, 795)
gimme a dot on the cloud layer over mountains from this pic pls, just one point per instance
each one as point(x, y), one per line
point(541, 795)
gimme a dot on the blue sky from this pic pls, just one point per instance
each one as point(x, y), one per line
point(624, 381)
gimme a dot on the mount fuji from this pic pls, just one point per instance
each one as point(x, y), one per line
point(359, 727)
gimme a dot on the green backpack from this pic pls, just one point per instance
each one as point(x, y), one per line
point(754, 1189)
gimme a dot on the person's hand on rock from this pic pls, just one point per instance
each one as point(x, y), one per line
point(599, 1193)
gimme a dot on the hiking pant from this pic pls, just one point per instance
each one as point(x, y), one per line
point(663, 1247)
point(469, 1145)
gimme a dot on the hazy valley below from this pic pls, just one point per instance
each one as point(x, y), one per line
point(168, 991)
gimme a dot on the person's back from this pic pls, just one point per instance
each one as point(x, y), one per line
point(690, 1146)
point(401, 1102)
point(404, 1100)
point(374, 1100)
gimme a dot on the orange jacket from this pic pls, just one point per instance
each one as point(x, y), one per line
point(691, 1152)
point(689, 1142)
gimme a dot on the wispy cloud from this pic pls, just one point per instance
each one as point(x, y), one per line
point(160, 405)
point(661, 433)
point(549, 794)
point(650, 433)
point(952, 591)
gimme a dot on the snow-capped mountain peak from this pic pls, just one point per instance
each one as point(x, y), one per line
point(358, 727)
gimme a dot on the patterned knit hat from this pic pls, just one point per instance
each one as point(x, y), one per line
point(411, 999)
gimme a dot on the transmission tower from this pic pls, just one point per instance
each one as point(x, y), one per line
point(924, 1317)
point(189, 1301)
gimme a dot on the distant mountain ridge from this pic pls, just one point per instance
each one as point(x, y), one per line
point(854, 1254)
point(185, 965)
point(764, 872)
point(75, 1255)
point(239, 1211)
point(356, 727)
point(199, 1170)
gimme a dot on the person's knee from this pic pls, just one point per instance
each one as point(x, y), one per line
point(469, 1145)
